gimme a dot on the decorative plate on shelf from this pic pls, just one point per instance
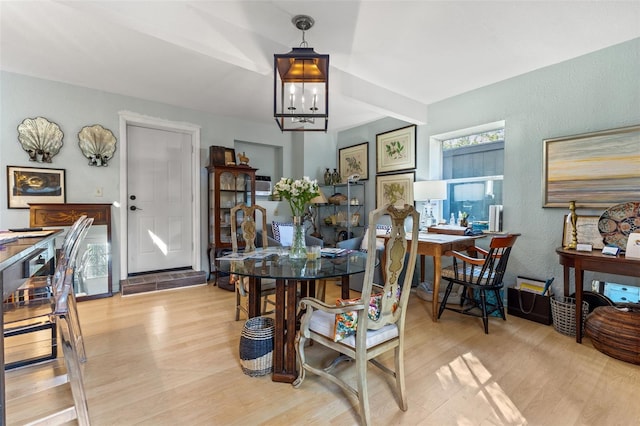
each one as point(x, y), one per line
point(617, 222)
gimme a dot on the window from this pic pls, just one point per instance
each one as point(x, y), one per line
point(473, 166)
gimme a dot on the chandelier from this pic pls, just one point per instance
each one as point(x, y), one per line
point(301, 85)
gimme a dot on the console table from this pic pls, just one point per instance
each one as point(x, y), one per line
point(592, 261)
point(47, 215)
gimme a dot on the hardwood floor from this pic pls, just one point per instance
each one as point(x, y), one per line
point(171, 358)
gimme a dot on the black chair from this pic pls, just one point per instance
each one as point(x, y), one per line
point(480, 276)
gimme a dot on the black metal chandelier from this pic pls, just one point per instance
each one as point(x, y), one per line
point(301, 86)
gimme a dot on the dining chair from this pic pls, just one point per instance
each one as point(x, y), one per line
point(34, 312)
point(67, 332)
point(249, 234)
point(482, 279)
point(364, 328)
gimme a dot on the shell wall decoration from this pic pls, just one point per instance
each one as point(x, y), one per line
point(40, 138)
point(97, 144)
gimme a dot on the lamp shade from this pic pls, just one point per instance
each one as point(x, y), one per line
point(430, 190)
point(301, 90)
point(319, 199)
point(301, 85)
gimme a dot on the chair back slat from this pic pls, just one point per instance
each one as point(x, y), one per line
point(248, 226)
point(395, 293)
point(492, 271)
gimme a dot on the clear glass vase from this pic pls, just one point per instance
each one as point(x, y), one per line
point(298, 246)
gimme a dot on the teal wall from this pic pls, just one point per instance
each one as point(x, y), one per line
point(594, 92)
point(72, 108)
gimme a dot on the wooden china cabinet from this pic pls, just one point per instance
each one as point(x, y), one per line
point(228, 186)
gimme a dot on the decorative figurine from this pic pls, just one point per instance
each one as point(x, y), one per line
point(243, 159)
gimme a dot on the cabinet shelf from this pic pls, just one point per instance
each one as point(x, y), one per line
point(228, 186)
point(344, 212)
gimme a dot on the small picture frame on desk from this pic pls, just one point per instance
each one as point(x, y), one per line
point(587, 227)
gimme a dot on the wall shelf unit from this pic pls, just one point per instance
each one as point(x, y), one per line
point(338, 222)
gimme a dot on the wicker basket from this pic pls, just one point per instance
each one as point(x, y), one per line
point(256, 346)
point(563, 311)
point(615, 331)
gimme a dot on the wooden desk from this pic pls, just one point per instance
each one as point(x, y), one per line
point(11, 255)
point(436, 246)
point(592, 261)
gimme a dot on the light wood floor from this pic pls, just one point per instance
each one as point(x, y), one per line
point(171, 358)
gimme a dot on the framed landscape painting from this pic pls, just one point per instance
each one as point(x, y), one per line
point(597, 169)
point(396, 150)
point(396, 189)
point(354, 160)
point(34, 185)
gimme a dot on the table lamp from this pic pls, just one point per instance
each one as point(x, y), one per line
point(428, 191)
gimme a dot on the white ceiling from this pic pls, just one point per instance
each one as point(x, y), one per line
point(388, 58)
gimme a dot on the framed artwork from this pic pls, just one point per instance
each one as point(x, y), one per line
point(396, 189)
point(588, 233)
point(597, 169)
point(396, 150)
point(354, 160)
point(34, 185)
point(229, 157)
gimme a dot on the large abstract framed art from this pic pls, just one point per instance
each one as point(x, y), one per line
point(597, 169)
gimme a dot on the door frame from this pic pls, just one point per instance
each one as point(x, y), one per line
point(132, 118)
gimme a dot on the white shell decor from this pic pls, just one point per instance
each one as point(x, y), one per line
point(41, 138)
point(97, 144)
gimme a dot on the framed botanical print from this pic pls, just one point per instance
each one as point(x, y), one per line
point(34, 185)
point(396, 189)
point(396, 150)
point(354, 160)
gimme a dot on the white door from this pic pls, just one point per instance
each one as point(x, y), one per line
point(159, 199)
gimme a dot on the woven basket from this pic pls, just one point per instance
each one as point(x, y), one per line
point(563, 312)
point(615, 331)
point(256, 346)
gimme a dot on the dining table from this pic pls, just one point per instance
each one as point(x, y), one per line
point(294, 278)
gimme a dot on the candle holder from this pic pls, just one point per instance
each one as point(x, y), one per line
point(573, 217)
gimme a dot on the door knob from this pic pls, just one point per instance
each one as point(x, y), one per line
point(134, 208)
